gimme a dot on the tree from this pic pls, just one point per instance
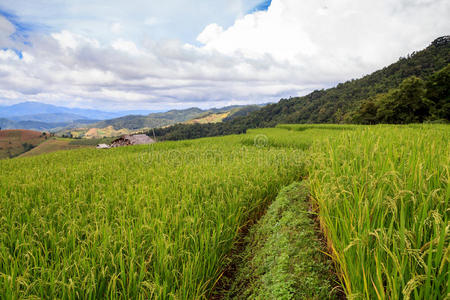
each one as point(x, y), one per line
point(367, 113)
point(407, 104)
point(438, 91)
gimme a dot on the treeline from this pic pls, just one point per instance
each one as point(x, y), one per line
point(387, 96)
point(194, 131)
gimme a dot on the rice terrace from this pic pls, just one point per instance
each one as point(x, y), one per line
point(225, 149)
point(158, 222)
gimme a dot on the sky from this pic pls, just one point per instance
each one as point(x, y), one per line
point(158, 55)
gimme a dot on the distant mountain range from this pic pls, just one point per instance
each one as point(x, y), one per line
point(40, 126)
point(46, 117)
point(47, 112)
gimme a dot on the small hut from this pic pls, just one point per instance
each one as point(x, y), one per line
point(137, 139)
point(103, 146)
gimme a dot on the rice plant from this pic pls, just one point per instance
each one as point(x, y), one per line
point(383, 198)
point(133, 222)
point(158, 222)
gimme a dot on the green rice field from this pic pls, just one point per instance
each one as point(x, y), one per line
point(158, 221)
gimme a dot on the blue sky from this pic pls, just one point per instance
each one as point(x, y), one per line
point(141, 54)
point(261, 6)
point(169, 19)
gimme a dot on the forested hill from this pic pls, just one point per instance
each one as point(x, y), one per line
point(341, 103)
point(331, 105)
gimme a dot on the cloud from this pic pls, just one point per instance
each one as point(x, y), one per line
point(116, 28)
point(349, 38)
point(289, 49)
point(6, 30)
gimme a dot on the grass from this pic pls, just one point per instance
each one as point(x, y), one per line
point(158, 222)
point(284, 258)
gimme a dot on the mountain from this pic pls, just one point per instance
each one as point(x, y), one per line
point(46, 117)
point(331, 105)
point(135, 122)
point(153, 120)
point(36, 111)
point(338, 104)
point(40, 126)
point(53, 117)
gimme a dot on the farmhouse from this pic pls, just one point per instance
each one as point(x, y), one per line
point(127, 140)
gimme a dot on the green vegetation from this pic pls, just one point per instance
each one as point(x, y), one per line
point(415, 101)
point(134, 222)
point(284, 258)
point(383, 197)
point(195, 131)
point(160, 221)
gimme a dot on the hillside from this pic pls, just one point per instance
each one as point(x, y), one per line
point(16, 142)
point(57, 144)
point(334, 105)
point(153, 120)
point(134, 122)
point(225, 114)
point(138, 123)
point(210, 118)
point(330, 106)
point(51, 145)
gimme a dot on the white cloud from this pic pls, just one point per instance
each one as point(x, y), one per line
point(211, 33)
point(116, 28)
point(347, 37)
point(293, 48)
point(125, 46)
point(69, 40)
point(6, 29)
point(8, 55)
